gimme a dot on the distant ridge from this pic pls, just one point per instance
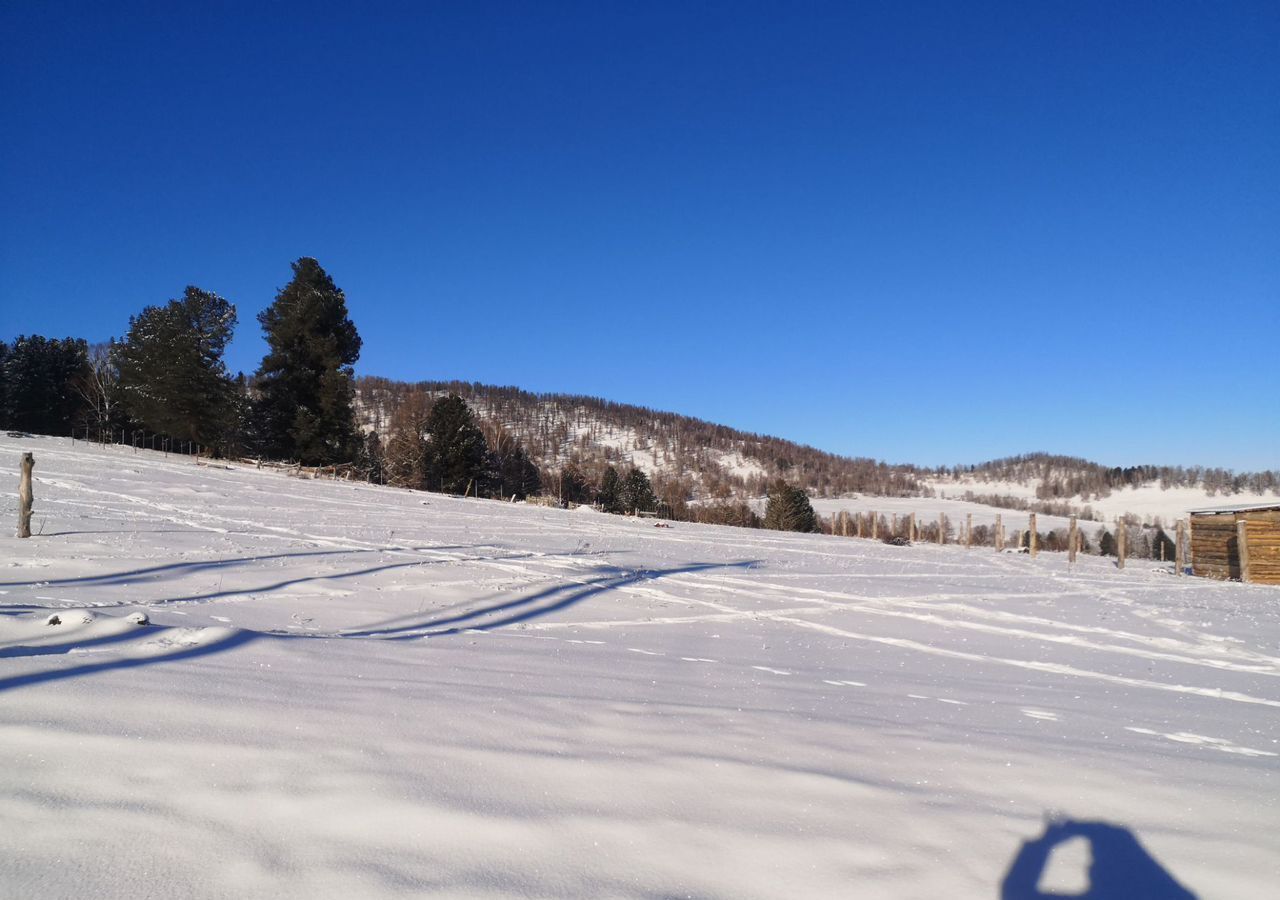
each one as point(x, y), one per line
point(706, 461)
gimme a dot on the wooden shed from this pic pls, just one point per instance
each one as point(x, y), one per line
point(1237, 542)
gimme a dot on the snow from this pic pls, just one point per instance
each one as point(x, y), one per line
point(347, 690)
point(1148, 502)
point(1171, 504)
point(927, 509)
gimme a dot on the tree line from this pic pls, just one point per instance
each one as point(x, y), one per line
point(1060, 477)
point(166, 379)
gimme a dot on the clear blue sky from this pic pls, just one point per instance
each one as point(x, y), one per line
point(923, 232)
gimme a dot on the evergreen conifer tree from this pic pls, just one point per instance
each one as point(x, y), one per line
point(610, 495)
point(172, 377)
point(304, 408)
point(789, 509)
point(637, 493)
point(514, 474)
point(371, 459)
point(39, 377)
point(456, 447)
point(572, 484)
point(1106, 543)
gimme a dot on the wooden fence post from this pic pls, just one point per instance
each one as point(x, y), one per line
point(24, 496)
point(1071, 541)
point(844, 522)
point(1179, 554)
point(859, 524)
point(968, 530)
point(875, 525)
point(1122, 538)
point(1033, 539)
point(942, 528)
point(1242, 545)
point(893, 529)
point(915, 533)
point(999, 534)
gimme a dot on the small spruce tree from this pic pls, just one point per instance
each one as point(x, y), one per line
point(637, 493)
point(610, 494)
point(789, 509)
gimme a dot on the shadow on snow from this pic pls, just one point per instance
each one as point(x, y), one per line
point(1121, 868)
point(508, 612)
point(531, 606)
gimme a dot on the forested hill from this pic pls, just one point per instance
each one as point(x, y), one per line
point(712, 461)
point(692, 458)
point(1064, 477)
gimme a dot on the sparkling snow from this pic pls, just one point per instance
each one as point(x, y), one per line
point(352, 691)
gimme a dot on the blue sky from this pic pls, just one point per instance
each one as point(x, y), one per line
point(923, 232)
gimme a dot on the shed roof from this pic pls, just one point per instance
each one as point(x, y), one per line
point(1238, 508)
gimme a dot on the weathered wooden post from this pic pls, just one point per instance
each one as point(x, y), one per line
point(24, 496)
point(1180, 554)
point(1122, 538)
point(1071, 541)
point(968, 530)
point(942, 528)
point(859, 524)
point(1033, 539)
point(893, 529)
point(1242, 544)
point(844, 522)
point(915, 532)
point(999, 534)
point(875, 525)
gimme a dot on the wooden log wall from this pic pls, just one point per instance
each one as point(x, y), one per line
point(1263, 536)
point(1215, 546)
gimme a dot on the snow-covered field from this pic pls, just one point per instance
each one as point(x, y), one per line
point(351, 691)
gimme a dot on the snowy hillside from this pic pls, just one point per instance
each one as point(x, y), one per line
point(354, 691)
point(687, 458)
point(1148, 503)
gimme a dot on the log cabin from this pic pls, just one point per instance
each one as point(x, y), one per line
point(1237, 542)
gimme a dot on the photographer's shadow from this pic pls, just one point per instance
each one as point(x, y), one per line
point(1121, 869)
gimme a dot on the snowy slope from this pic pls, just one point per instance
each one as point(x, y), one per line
point(1148, 502)
point(353, 691)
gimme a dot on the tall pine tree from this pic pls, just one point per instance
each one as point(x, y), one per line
point(172, 377)
point(457, 453)
point(305, 394)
